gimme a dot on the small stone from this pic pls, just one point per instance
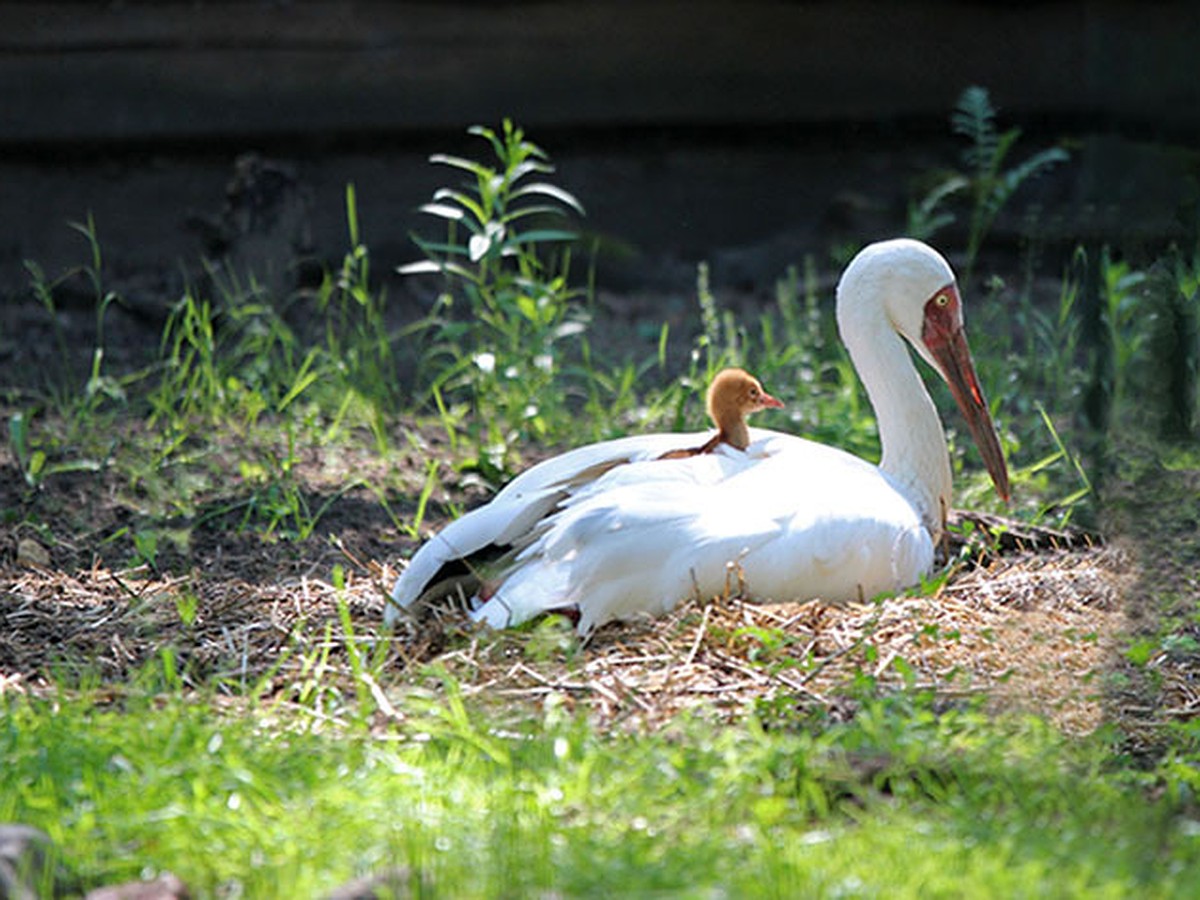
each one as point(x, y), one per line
point(26, 862)
point(165, 887)
point(393, 882)
point(31, 554)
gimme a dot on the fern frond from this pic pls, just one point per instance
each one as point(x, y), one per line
point(1035, 165)
point(928, 217)
point(974, 118)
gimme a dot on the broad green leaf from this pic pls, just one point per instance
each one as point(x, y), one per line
point(522, 169)
point(467, 165)
point(432, 248)
point(442, 211)
point(489, 135)
point(467, 202)
point(528, 307)
point(478, 246)
point(544, 235)
point(549, 190)
point(429, 266)
point(539, 210)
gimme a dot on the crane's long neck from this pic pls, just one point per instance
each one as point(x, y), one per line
point(914, 445)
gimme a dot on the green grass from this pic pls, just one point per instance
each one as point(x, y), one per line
point(899, 803)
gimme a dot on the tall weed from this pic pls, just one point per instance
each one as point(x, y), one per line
point(504, 324)
point(358, 344)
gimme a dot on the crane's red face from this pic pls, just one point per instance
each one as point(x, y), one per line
point(943, 335)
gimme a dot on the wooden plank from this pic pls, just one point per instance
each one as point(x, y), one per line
point(74, 72)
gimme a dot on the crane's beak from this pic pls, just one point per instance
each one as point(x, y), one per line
point(946, 342)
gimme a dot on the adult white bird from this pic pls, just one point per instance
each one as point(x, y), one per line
point(612, 530)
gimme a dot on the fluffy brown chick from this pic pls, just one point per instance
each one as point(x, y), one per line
point(732, 395)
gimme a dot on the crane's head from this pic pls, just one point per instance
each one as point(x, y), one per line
point(920, 299)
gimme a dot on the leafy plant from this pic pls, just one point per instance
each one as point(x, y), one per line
point(191, 385)
point(187, 605)
point(99, 386)
point(32, 458)
point(229, 363)
point(508, 267)
point(1121, 312)
point(145, 547)
point(984, 179)
point(278, 505)
point(43, 289)
point(1169, 353)
point(77, 447)
point(31, 461)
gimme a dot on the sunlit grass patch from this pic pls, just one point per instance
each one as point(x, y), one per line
point(901, 801)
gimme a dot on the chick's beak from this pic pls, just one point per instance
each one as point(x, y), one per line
point(766, 401)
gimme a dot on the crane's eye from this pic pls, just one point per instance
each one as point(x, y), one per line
point(942, 300)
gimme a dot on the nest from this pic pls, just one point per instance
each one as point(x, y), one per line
point(1030, 631)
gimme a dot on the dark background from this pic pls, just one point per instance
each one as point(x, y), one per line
point(749, 133)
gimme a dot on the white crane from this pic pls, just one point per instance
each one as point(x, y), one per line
point(612, 530)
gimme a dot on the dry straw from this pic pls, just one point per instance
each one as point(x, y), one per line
point(1032, 628)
